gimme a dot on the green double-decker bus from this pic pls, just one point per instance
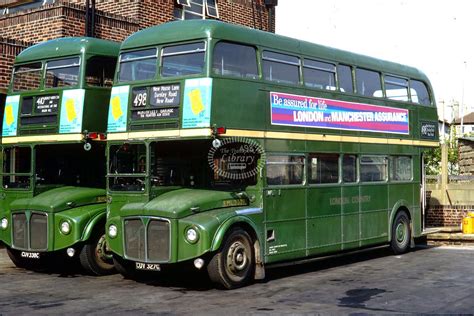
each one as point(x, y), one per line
point(53, 197)
point(232, 149)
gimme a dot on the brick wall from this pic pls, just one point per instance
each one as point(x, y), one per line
point(446, 215)
point(8, 50)
point(252, 13)
point(62, 19)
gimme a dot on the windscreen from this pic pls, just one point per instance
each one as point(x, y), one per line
point(62, 72)
point(127, 167)
point(17, 167)
point(70, 164)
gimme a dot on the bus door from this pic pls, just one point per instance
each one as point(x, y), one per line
point(284, 204)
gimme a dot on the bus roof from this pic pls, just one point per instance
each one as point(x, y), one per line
point(194, 29)
point(68, 46)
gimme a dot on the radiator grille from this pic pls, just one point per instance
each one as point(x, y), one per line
point(30, 234)
point(147, 239)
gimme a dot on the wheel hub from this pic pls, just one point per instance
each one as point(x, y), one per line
point(237, 258)
point(400, 232)
point(102, 251)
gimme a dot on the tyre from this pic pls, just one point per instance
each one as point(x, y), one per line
point(95, 256)
point(125, 268)
point(233, 265)
point(401, 233)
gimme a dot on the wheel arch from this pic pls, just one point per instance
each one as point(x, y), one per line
point(249, 226)
point(99, 219)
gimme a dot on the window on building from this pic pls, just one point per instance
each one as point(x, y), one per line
point(62, 72)
point(196, 9)
point(319, 75)
point(396, 88)
point(281, 68)
point(100, 71)
point(183, 60)
point(401, 168)
point(138, 65)
point(373, 168)
point(27, 77)
point(285, 169)
point(235, 60)
point(323, 168)
point(344, 76)
point(368, 83)
point(419, 93)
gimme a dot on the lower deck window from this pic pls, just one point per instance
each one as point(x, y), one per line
point(373, 168)
point(283, 170)
point(323, 168)
point(401, 168)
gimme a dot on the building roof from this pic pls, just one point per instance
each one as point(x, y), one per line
point(178, 31)
point(467, 120)
point(68, 46)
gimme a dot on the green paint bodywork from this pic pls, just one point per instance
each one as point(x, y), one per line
point(307, 220)
point(84, 208)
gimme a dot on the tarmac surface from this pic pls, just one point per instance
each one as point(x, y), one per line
point(437, 280)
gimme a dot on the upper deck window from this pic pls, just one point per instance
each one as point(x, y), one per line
point(62, 72)
point(138, 65)
point(183, 60)
point(344, 76)
point(27, 77)
point(396, 88)
point(235, 60)
point(319, 75)
point(368, 83)
point(419, 93)
point(281, 68)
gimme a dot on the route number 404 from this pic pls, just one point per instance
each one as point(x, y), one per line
point(140, 99)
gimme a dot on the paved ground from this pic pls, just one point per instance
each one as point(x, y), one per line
point(427, 280)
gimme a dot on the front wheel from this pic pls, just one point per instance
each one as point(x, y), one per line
point(126, 268)
point(401, 233)
point(233, 265)
point(95, 256)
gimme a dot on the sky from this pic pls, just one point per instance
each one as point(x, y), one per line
point(434, 36)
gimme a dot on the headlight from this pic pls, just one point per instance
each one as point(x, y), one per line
point(112, 231)
point(65, 228)
point(192, 235)
point(4, 223)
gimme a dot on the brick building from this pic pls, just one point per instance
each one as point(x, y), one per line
point(27, 22)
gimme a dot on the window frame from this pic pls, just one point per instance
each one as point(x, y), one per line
point(304, 169)
point(407, 86)
point(309, 169)
point(270, 59)
point(258, 68)
point(80, 80)
point(386, 166)
point(203, 50)
point(325, 70)
point(120, 62)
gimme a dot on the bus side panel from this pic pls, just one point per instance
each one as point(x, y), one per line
point(373, 213)
point(285, 223)
point(324, 219)
point(350, 217)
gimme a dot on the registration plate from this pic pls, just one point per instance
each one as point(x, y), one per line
point(147, 266)
point(30, 255)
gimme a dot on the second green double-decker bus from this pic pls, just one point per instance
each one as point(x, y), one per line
point(231, 149)
point(53, 173)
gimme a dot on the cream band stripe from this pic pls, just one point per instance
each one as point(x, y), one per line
point(206, 132)
point(42, 138)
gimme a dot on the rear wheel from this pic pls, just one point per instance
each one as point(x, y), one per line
point(95, 256)
point(233, 265)
point(401, 233)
